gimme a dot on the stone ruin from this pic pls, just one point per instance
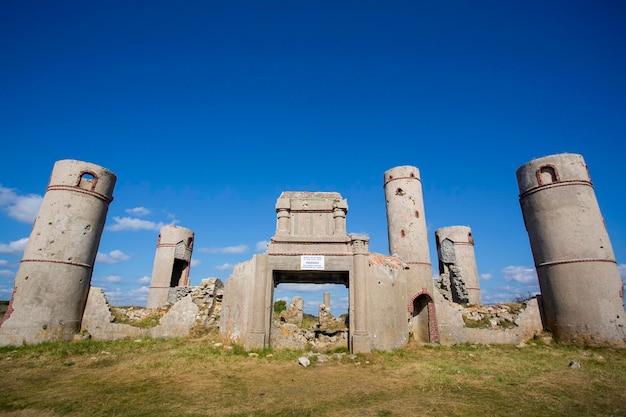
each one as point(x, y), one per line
point(458, 276)
point(392, 298)
point(329, 333)
point(194, 309)
point(294, 312)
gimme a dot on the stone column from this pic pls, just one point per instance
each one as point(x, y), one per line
point(361, 341)
point(261, 307)
point(340, 210)
point(54, 276)
point(172, 262)
point(581, 288)
point(406, 225)
point(464, 258)
point(283, 217)
point(327, 300)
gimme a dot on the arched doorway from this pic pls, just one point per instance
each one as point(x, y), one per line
point(423, 318)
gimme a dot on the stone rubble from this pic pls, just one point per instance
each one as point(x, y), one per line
point(499, 316)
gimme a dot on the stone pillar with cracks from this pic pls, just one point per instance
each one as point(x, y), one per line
point(52, 282)
point(581, 288)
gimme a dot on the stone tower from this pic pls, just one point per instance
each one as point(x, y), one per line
point(406, 225)
point(455, 248)
point(580, 284)
point(54, 276)
point(171, 263)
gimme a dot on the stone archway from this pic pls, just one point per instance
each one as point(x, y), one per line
point(423, 317)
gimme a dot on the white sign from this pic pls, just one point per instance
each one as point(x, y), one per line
point(312, 262)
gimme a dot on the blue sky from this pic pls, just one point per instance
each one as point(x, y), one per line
point(206, 111)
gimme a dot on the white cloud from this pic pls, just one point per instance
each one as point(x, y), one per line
point(6, 273)
point(14, 248)
point(134, 224)
point(3, 262)
point(521, 274)
point(5, 293)
point(143, 280)
point(311, 305)
point(226, 250)
point(138, 211)
point(23, 208)
point(195, 262)
point(486, 277)
point(262, 245)
point(109, 279)
point(113, 257)
point(508, 293)
point(224, 267)
point(622, 271)
point(119, 297)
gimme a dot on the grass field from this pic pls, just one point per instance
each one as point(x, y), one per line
point(200, 377)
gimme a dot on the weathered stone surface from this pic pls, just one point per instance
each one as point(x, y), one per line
point(54, 275)
point(581, 287)
point(290, 336)
point(195, 309)
point(98, 320)
point(171, 263)
point(178, 321)
point(457, 265)
point(452, 328)
point(293, 314)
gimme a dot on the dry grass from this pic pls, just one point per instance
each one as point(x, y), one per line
point(194, 377)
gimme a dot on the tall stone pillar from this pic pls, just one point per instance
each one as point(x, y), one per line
point(172, 261)
point(261, 306)
point(361, 341)
point(406, 225)
point(580, 284)
point(459, 256)
point(54, 276)
point(327, 300)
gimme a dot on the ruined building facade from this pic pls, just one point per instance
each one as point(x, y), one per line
point(392, 297)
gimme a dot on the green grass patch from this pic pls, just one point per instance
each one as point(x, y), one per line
point(483, 323)
point(148, 319)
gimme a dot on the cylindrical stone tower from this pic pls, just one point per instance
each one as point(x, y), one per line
point(53, 279)
point(580, 284)
point(171, 263)
point(406, 225)
point(455, 246)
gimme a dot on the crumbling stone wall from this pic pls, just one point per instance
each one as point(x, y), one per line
point(453, 330)
point(287, 331)
point(199, 308)
point(452, 285)
point(293, 314)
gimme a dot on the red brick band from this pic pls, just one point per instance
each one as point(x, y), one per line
point(99, 196)
point(572, 261)
point(59, 262)
point(553, 185)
